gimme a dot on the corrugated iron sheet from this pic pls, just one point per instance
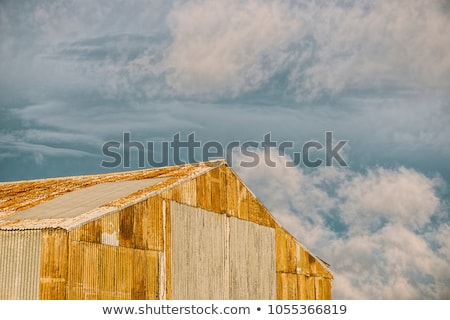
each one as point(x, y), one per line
point(20, 253)
point(252, 261)
point(220, 257)
point(198, 253)
point(98, 271)
point(80, 201)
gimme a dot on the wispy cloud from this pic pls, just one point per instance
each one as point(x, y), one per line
point(316, 47)
point(12, 147)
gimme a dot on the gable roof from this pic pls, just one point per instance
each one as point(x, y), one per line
point(67, 202)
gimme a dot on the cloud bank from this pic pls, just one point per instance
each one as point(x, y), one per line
point(375, 228)
point(312, 47)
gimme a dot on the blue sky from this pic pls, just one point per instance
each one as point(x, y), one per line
point(76, 74)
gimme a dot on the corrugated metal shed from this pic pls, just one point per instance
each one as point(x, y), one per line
point(183, 232)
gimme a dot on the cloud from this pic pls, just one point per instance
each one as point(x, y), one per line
point(377, 227)
point(38, 152)
point(230, 46)
point(318, 48)
point(402, 196)
point(214, 50)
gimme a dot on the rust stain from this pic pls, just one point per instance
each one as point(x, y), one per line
point(22, 195)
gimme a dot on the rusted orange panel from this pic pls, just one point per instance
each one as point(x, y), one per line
point(75, 273)
point(258, 213)
point(140, 225)
point(322, 288)
point(124, 275)
point(286, 286)
point(82, 277)
point(286, 247)
point(254, 214)
point(176, 193)
point(215, 189)
point(312, 264)
point(304, 262)
point(90, 276)
point(310, 288)
point(318, 286)
point(139, 275)
point(301, 287)
point(243, 201)
point(326, 283)
point(223, 188)
point(89, 232)
point(126, 227)
point(280, 253)
point(152, 275)
point(107, 271)
point(188, 193)
point(54, 264)
point(204, 195)
point(155, 232)
point(232, 194)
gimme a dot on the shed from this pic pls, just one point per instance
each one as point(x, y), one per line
point(192, 231)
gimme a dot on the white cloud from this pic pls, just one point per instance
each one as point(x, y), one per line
point(375, 228)
point(404, 196)
point(230, 47)
point(214, 49)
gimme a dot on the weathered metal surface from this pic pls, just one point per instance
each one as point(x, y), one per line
point(54, 260)
point(77, 202)
point(252, 260)
point(198, 253)
point(197, 233)
point(21, 195)
point(220, 257)
point(98, 271)
point(20, 254)
point(167, 219)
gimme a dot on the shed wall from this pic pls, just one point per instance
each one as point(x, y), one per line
point(117, 256)
point(208, 237)
point(220, 257)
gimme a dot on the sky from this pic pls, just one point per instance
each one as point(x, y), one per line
point(75, 75)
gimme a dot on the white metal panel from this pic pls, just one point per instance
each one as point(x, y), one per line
point(198, 253)
point(20, 254)
point(220, 257)
point(252, 260)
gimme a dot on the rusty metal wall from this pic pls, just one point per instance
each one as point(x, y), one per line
point(20, 253)
point(118, 255)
